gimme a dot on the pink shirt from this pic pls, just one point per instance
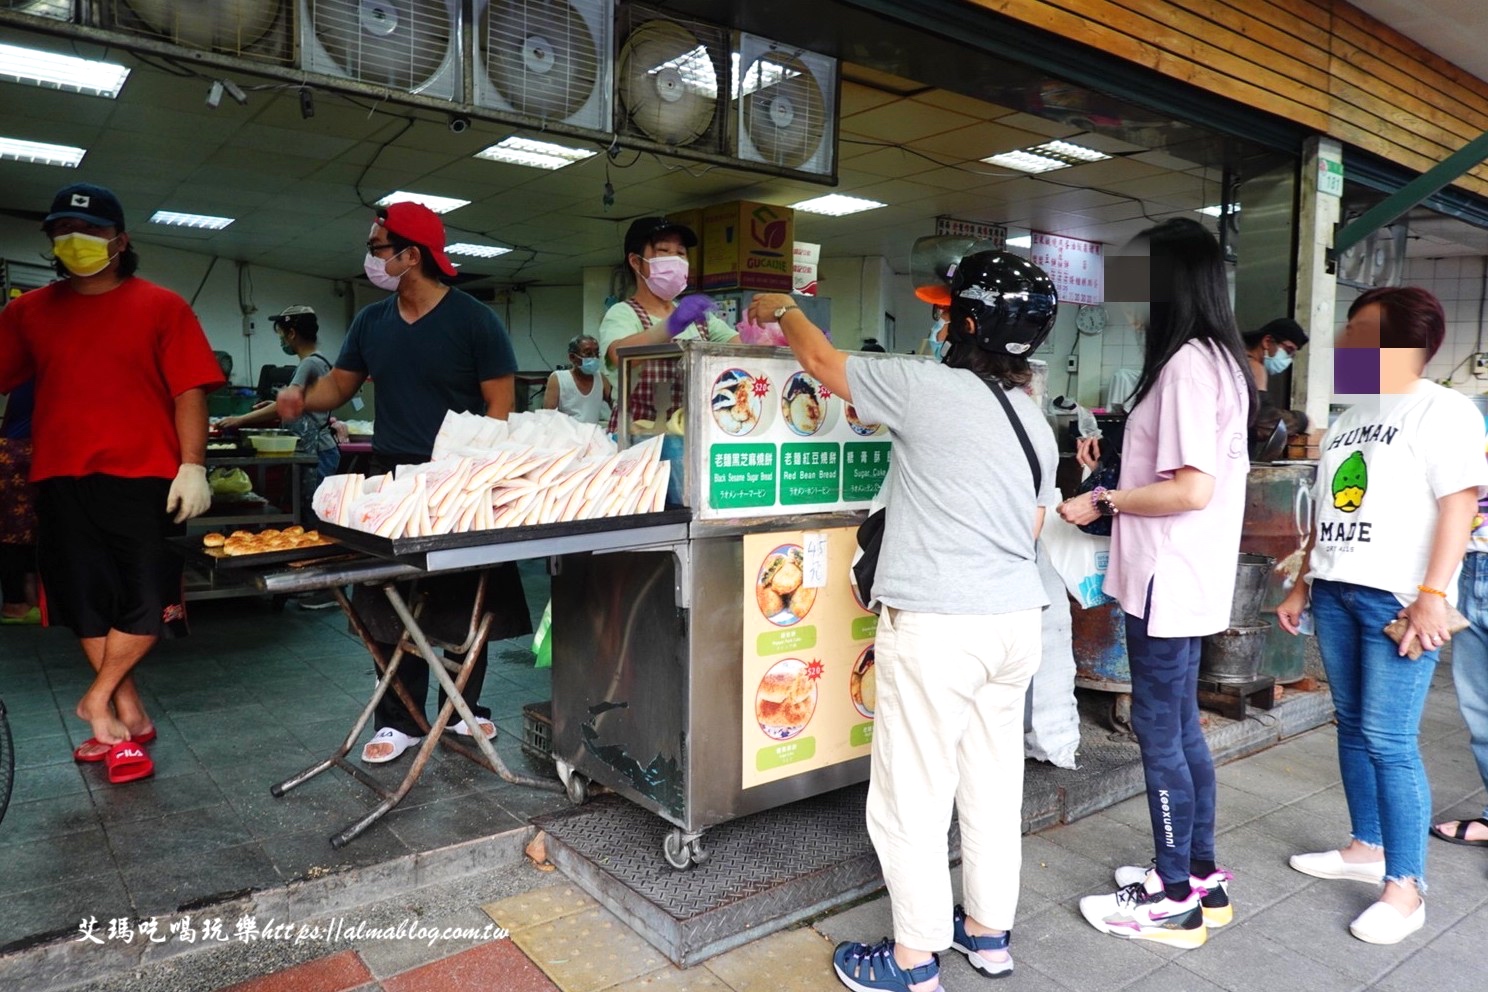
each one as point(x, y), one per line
point(1194, 416)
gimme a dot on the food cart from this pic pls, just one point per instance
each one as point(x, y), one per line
point(728, 671)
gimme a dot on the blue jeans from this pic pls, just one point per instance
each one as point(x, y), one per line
point(1470, 656)
point(1378, 697)
point(1175, 756)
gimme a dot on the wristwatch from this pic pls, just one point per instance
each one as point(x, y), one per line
point(785, 310)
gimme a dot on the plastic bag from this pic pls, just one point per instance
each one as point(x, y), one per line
point(229, 482)
point(542, 641)
point(767, 334)
point(1079, 558)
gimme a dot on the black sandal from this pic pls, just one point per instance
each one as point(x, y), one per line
point(1459, 836)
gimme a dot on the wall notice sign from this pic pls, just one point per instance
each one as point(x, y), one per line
point(809, 680)
point(1330, 176)
point(995, 234)
point(776, 439)
point(1077, 267)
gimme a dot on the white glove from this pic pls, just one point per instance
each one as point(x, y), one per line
point(189, 493)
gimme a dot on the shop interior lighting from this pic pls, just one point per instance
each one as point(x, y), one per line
point(61, 72)
point(479, 251)
point(1022, 241)
point(1213, 211)
point(438, 204)
point(40, 153)
point(1046, 157)
point(204, 222)
point(537, 154)
point(836, 205)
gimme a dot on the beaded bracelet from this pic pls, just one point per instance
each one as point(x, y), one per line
point(1434, 592)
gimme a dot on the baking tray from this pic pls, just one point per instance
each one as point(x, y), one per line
point(416, 549)
point(191, 548)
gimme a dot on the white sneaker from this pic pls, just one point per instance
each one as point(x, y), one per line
point(1135, 913)
point(1330, 864)
point(1216, 889)
point(1383, 924)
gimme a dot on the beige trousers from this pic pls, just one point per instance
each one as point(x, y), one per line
point(949, 729)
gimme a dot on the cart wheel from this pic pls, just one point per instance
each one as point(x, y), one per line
point(699, 853)
point(679, 853)
point(1121, 715)
point(577, 788)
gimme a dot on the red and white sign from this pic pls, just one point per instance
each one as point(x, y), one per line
point(1077, 267)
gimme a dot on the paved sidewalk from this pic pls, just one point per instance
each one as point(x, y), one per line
point(1290, 930)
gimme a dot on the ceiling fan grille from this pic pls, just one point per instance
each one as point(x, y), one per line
point(672, 76)
point(61, 10)
point(253, 29)
point(547, 59)
point(786, 102)
point(405, 45)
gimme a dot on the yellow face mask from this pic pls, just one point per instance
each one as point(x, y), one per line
point(82, 254)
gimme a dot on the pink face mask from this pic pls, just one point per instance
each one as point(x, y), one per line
point(668, 276)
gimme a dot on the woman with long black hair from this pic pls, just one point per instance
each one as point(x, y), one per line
point(1176, 518)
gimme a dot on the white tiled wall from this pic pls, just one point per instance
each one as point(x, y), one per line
point(1458, 282)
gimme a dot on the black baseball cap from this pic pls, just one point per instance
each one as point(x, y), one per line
point(97, 205)
point(1280, 329)
point(644, 230)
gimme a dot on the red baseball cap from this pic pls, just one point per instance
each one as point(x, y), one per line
point(417, 223)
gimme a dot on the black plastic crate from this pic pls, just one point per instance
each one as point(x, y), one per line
point(537, 730)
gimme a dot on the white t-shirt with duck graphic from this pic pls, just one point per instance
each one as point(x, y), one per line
point(1384, 464)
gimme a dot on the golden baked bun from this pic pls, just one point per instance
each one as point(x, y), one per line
point(213, 540)
point(294, 531)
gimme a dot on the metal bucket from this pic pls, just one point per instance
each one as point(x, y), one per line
point(1251, 577)
point(1099, 644)
point(1234, 655)
point(1278, 517)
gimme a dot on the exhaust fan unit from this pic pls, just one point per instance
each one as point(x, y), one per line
point(250, 29)
point(407, 46)
point(672, 81)
point(786, 101)
point(546, 59)
point(61, 10)
point(1378, 260)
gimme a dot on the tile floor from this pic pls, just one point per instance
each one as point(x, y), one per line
point(251, 697)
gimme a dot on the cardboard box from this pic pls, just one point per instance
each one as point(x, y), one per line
point(807, 257)
point(693, 221)
point(748, 245)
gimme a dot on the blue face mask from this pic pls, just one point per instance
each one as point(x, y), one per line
point(938, 349)
point(590, 365)
point(1277, 363)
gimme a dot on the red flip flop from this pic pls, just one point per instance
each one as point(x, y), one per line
point(128, 762)
point(87, 753)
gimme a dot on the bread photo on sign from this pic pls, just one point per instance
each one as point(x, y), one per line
point(779, 591)
point(786, 698)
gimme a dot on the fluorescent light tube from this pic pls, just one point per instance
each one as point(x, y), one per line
point(63, 72)
point(438, 204)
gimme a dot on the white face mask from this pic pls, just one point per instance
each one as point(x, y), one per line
point(377, 273)
point(668, 276)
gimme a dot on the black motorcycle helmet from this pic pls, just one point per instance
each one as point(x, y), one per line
point(1011, 301)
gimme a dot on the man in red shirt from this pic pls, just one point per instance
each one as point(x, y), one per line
point(110, 487)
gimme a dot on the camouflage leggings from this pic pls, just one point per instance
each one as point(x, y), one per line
point(1175, 756)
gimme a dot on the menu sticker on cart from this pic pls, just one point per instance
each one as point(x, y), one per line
point(808, 680)
point(865, 464)
point(741, 475)
point(759, 404)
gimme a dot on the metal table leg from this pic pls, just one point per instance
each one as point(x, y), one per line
point(415, 641)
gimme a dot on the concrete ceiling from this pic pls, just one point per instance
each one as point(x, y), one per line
point(298, 187)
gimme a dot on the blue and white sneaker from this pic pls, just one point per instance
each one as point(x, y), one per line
point(871, 968)
point(1135, 913)
point(1216, 890)
point(997, 967)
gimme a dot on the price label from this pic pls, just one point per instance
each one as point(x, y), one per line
point(814, 559)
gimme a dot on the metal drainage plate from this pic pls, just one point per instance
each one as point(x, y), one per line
point(763, 873)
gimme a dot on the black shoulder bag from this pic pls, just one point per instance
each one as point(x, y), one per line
point(870, 531)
